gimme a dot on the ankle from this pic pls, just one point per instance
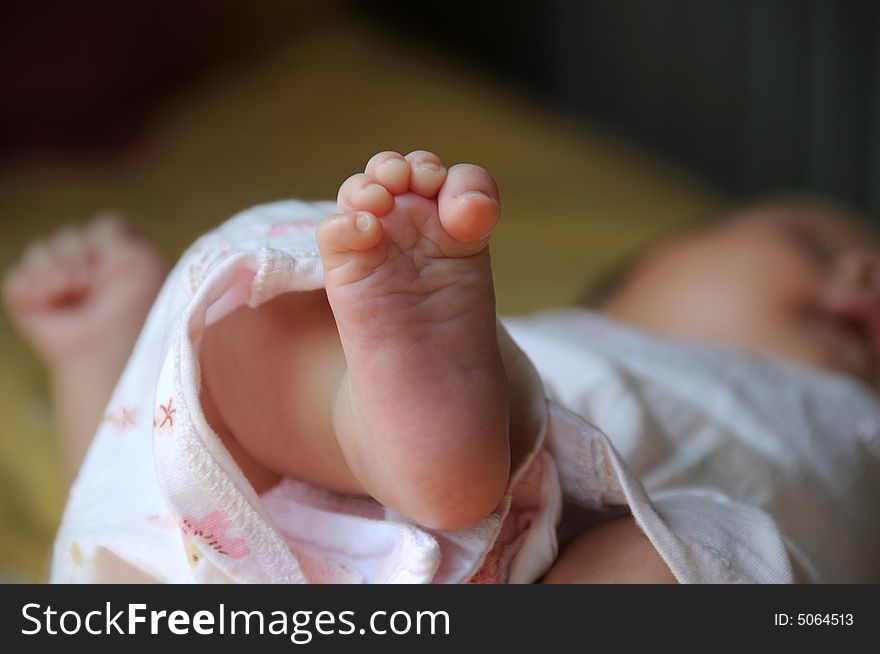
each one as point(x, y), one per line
point(450, 490)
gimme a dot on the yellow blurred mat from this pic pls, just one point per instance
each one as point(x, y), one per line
point(295, 119)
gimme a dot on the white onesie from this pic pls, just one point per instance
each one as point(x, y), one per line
point(738, 468)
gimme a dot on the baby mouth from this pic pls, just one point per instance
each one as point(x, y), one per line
point(857, 319)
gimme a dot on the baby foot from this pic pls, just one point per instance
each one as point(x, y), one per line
point(422, 412)
point(83, 293)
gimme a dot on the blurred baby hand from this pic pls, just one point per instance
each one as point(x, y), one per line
point(83, 290)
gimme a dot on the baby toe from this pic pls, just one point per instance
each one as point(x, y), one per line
point(362, 192)
point(391, 170)
point(347, 232)
point(348, 245)
point(428, 173)
point(469, 203)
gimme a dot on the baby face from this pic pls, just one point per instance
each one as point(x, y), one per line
point(796, 280)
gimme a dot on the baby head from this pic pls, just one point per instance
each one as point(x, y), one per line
point(798, 278)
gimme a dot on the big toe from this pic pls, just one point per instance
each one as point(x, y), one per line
point(469, 204)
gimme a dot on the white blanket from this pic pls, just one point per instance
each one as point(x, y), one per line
point(737, 467)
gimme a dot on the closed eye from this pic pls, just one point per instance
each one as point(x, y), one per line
point(818, 250)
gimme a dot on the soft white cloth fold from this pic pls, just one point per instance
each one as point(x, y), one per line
point(737, 468)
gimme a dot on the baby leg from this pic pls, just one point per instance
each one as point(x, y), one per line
point(422, 412)
point(615, 552)
point(394, 384)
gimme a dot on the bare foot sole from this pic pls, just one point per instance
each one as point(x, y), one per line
point(422, 413)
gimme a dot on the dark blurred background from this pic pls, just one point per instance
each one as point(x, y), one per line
point(753, 95)
point(607, 124)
